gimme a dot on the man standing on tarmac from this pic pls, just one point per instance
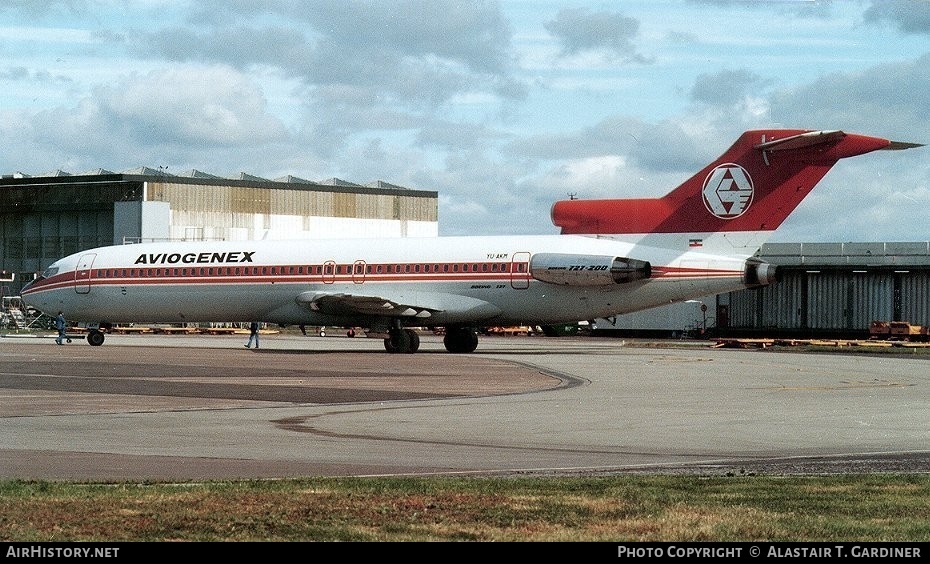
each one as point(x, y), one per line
point(253, 334)
point(60, 325)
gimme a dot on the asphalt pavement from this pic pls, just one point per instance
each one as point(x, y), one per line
point(193, 407)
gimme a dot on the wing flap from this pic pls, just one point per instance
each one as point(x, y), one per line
point(339, 304)
point(433, 307)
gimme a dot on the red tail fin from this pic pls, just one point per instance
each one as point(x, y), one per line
point(753, 186)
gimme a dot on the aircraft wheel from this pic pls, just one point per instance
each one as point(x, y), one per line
point(460, 340)
point(414, 340)
point(94, 338)
point(399, 341)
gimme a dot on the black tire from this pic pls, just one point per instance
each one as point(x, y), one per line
point(460, 340)
point(399, 341)
point(414, 340)
point(95, 338)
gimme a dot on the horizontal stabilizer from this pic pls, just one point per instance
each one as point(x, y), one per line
point(800, 141)
point(812, 138)
point(900, 145)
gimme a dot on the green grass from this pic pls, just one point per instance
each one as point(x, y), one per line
point(861, 508)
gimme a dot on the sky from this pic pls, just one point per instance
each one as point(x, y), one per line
point(502, 108)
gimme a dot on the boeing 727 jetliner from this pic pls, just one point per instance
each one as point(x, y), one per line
point(612, 256)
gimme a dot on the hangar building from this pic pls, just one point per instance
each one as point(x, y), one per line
point(43, 218)
point(824, 290)
point(834, 290)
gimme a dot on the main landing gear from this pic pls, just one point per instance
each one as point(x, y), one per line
point(457, 340)
point(460, 339)
point(400, 340)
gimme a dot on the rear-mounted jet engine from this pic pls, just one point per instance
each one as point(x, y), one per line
point(760, 273)
point(587, 270)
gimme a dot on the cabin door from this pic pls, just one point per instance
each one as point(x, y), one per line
point(82, 274)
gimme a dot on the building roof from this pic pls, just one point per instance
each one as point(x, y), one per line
point(204, 177)
point(847, 255)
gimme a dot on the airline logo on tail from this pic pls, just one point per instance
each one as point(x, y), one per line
point(728, 191)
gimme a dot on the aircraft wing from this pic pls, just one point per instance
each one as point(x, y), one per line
point(422, 305)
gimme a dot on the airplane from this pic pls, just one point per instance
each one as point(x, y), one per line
point(612, 256)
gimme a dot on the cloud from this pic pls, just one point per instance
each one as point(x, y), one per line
point(216, 106)
point(580, 30)
point(476, 34)
point(909, 16)
point(41, 8)
point(430, 95)
point(149, 118)
point(726, 87)
point(361, 65)
point(412, 53)
point(662, 147)
point(888, 206)
point(791, 8)
point(449, 135)
point(888, 99)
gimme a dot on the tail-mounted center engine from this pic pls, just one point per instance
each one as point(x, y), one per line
point(759, 273)
point(587, 270)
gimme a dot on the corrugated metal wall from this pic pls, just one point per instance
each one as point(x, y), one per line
point(31, 241)
point(307, 203)
point(827, 301)
point(782, 303)
point(777, 305)
point(237, 212)
point(744, 308)
point(870, 298)
point(915, 297)
point(833, 300)
point(280, 201)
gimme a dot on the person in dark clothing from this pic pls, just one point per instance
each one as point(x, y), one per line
point(61, 325)
point(253, 334)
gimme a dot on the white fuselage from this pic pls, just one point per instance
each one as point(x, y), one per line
point(449, 280)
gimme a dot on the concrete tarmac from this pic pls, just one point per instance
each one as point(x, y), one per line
point(148, 407)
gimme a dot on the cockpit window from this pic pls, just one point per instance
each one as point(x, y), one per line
point(50, 271)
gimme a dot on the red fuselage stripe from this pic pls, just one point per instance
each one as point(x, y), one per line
point(357, 273)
